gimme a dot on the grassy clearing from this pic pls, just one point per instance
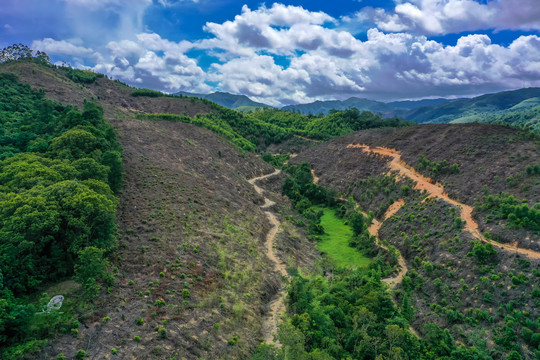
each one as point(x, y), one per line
point(335, 242)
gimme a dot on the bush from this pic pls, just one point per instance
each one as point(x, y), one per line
point(162, 332)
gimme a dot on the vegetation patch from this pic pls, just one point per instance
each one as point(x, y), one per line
point(335, 242)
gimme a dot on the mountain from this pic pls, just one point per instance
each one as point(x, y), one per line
point(226, 99)
point(414, 104)
point(324, 107)
point(477, 108)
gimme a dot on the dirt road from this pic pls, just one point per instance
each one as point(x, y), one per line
point(436, 190)
point(277, 305)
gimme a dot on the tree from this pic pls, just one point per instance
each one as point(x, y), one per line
point(113, 159)
point(74, 144)
point(90, 267)
point(357, 222)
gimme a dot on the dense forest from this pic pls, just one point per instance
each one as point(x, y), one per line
point(59, 169)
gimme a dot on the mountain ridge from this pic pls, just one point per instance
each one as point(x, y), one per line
point(226, 99)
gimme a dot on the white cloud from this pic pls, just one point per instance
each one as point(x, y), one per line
point(155, 62)
point(61, 47)
point(280, 28)
point(436, 17)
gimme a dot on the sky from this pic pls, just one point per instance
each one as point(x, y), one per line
point(290, 52)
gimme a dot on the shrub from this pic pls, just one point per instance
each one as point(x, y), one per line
point(162, 332)
point(234, 340)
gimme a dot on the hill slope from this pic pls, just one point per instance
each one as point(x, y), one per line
point(191, 271)
point(453, 279)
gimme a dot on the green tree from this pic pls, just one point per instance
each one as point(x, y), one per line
point(90, 267)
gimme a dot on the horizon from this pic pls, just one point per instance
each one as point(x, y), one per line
point(287, 52)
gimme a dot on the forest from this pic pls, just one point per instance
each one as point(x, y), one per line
point(59, 171)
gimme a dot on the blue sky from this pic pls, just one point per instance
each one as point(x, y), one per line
point(291, 51)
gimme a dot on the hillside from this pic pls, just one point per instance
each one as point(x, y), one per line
point(228, 100)
point(452, 279)
point(180, 226)
point(468, 110)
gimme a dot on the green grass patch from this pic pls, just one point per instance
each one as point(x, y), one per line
point(335, 242)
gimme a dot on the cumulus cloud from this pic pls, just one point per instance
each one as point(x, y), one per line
point(280, 28)
point(60, 47)
point(287, 54)
point(328, 63)
point(155, 62)
point(436, 17)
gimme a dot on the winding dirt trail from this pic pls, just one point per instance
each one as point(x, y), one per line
point(374, 230)
point(277, 305)
point(436, 190)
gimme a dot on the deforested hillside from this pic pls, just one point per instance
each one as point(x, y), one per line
point(471, 161)
point(465, 216)
point(183, 272)
point(191, 269)
point(71, 86)
point(270, 235)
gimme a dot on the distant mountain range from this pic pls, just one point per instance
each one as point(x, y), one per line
point(228, 100)
point(517, 106)
point(324, 107)
point(477, 108)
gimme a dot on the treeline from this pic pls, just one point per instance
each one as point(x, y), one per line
point(257, 130)
point(321, 127)
point(528, 119)
point(59, 169)
point(20, 52)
